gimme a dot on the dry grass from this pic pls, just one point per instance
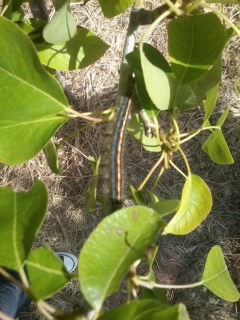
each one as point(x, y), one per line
point(179, 259)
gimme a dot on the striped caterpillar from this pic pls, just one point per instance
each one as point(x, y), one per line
point(112, 157)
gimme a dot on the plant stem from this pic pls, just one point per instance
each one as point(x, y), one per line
point(176, 168)
point(73, 135)
point(151, 171)
point(158, 178)
point(194, 133)
point(151, 285)
point(75, 114)
point(185, 161)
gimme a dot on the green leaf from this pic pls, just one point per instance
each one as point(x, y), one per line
point(118, 241)
point(210, 103)
point(215, 146)
point(34, 104)
point(159, 61)
point(21, 216)
point(194, 44)
point(147, 310)
point(62, 26)
point(90, 194)
point(137, 132)
point(216, 276)
point(161, 87)
point(111, 8)
point(217, 149)
point(137, 310)
point(177, 312)
point(209, 79)
point(137, 196)
point(43, 263)
point(50, 152)
point(165, 206)
point(83, 50)
point(195, 205)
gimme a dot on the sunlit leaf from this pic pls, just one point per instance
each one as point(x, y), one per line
point(32, 105)
point(118, 241)
point(194, 44)
point(137, 132)
point(161, 87)
point(81, 51)
point(210, 103)
point(217, 149)
point(111, 8)
point(196, 203)
point(21, 216)
point(217, 278)
point(43, 263)
point(61, 27)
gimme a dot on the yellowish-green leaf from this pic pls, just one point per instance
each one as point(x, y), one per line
point(195, 205)
point(217, 278)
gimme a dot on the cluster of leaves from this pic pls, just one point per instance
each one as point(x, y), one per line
point(35, 107)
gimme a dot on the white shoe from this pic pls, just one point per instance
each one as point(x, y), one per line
point(70, 260)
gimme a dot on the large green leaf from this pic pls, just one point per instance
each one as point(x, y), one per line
point(161, 87)
point(84, 49)
point(32, 104)
point(118, 241)
point(216, 276)
point(194, 44)
point(136, 310)
point(158, 60)
point(21, 216)
point(137, 132)
point(195, 205)
point(61, 27)
point(147, 310)
point(112, 8)
point(43, 263)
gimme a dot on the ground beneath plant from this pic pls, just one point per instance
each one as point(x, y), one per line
point(180, 259)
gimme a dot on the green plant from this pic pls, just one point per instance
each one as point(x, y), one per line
point(37, 108)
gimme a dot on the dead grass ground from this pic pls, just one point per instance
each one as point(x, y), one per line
point(179, 259)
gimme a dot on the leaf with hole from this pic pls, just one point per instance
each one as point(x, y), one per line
point(21, 216)
point(117, 242)
point(195, 205)
point(34, 104)
point(43, 263)
point(217, 278)
point(82, 50)
point(194, 44)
